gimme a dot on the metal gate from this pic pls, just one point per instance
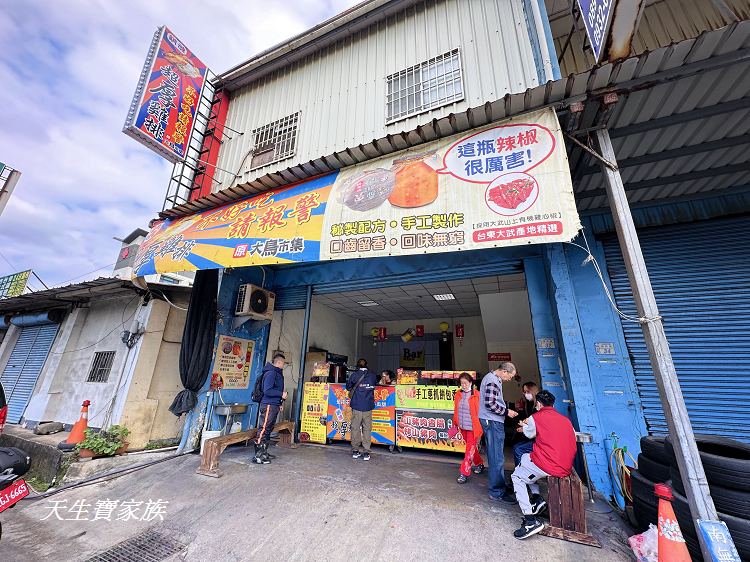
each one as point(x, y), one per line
point(25, 365)
point(700, 273)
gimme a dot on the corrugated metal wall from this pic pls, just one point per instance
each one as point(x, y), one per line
point(341, 90)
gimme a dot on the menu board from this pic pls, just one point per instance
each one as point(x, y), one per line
point(425, 397)
point(314, 409)
point(338, 421)
point(232, 362)
point(426, 429)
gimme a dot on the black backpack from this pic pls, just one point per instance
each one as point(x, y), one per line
point(257, 394)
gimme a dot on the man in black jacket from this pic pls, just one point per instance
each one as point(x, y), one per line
point(273, 395)
point(361, 384)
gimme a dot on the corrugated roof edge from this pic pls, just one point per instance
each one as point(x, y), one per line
point(361, 15)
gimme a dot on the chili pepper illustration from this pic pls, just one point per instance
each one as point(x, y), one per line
point(510, 195)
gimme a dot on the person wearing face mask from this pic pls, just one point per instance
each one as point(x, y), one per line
point(525, 407)
point(552, 455)
point(466, 418)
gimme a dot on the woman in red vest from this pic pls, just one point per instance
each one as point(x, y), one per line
point(466, 418)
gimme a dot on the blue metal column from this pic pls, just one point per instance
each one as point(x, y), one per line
point(576, 362)
point(612, 378)
point(546, 341)
point(303, 352)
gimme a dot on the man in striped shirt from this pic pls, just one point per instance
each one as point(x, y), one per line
point(492, 412)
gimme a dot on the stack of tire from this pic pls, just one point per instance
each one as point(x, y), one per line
point(727, 466)
point(653, 467)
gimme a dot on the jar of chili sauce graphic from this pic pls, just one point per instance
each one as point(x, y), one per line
point(416, 181)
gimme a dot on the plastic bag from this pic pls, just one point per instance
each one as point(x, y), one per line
point(646, 545)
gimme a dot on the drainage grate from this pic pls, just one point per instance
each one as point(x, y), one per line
point(149, 546)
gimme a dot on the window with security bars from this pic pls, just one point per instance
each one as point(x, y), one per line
point(275, 141)
point(430, 84)
point(101, 366)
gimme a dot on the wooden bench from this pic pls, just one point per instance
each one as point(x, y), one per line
point(567, 511)
point(214, 447)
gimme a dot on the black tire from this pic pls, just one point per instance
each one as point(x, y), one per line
point(653, 448)
point(726, 461)
point(676, 479)
point(726, 500)
point(654, 471)
point(739, 528)
point(644, 514)
point(643, 489)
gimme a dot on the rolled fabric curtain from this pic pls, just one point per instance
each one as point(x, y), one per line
point(197, 340)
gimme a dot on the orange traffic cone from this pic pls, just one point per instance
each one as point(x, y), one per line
point(77, 434)
point(672, 547)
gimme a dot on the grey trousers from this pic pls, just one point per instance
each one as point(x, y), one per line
point(526, 474)
point(361, 430)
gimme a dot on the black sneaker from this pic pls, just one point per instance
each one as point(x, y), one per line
point(462, 479)
point(261, 460)
point(508, 498)
point(356, 454)
point(366, 457)
point(531, 526)
point(479, 469)
point(538, 506)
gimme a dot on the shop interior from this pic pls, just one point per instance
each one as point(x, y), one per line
point(431, 331)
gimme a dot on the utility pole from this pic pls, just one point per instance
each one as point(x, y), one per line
point(7, 186)
point(675, 411)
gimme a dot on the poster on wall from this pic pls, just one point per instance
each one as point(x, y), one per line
point(426, 397)
point(338, 423)
point(314, 412)
point(231, 369)
point(412, 355)
point(504, 185)
point(162, 113)
point(425, 429)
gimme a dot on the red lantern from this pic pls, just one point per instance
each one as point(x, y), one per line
point(420, 331)
point(382, 335)
point(460, 333)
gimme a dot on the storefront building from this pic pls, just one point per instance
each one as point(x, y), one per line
point(371, 183)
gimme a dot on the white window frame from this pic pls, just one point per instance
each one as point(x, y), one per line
point(423, 85)
point(278, 138)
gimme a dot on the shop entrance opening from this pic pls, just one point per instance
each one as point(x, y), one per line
point(427, 334)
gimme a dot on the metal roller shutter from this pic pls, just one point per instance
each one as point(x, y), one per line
point(25, 365)
point(700, 273)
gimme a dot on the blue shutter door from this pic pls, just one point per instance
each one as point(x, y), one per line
point(700, 273)
point(25, 365)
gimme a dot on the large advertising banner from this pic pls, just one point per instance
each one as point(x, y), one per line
point(504, 185)
point(162, 113)
point(338, 423)
point(231, 370)
point(427, 429)
point(314, 411)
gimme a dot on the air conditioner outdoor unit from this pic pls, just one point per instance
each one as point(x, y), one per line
point(254, 302)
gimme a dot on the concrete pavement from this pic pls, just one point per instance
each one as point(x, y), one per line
point(312, 503)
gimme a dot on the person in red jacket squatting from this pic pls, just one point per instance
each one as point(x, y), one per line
point(552, 455)
point(466, 418)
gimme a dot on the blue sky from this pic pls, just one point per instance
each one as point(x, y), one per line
point(68, 70)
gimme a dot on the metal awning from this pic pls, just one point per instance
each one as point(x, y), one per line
point(680, 126)
point(67, 296)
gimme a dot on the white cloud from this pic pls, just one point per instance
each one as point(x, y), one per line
point(68, 70)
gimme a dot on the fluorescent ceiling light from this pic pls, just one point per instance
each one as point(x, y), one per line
point(367, 303)
point(445, 297)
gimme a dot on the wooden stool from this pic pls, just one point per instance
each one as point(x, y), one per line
point(567, 512)
point(286, 433)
